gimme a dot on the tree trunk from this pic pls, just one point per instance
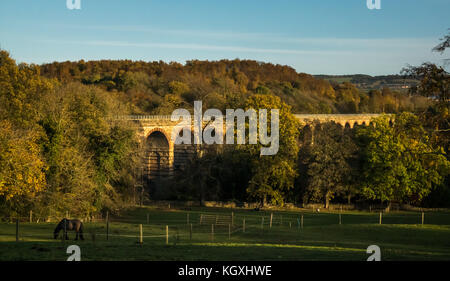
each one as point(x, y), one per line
point(264, 200)
point(202, 195)
point(388, 208)
point(327, 200)
point(349, 199)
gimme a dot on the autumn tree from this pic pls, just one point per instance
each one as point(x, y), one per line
point(22, 167)
point(273, 175)
point(398, 161)
point(86, 151)
point(329, 162)
point(434, 81)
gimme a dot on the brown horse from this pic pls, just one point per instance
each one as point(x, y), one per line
point(66, 225)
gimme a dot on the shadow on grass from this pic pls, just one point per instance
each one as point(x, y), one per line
point(232, 251)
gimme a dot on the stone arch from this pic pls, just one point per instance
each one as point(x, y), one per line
point(348, 125)
point(162, 131)
point(158, 154)
point(343, 124)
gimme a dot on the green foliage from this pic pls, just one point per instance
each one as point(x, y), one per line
point(86, 151)
point(273, 175)
point(22, 167)
point(199, 180)
point(398, 161)
point(434, 81)
point(329, 163)
point(59, 149)
point(21, 88)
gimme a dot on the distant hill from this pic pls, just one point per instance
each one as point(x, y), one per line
point(159, 87)
point(367, 82)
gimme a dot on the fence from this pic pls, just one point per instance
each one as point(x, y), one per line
point(176, 227)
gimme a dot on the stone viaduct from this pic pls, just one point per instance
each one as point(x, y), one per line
point(162, 156)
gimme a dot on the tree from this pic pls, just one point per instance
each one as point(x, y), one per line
point(441, 47)
point(328, 162)
point(22, 168)
point(86, 151)
point(434, 81)
point(273, 176)
point(398, 161)
point(199, 179)
point(21, 88)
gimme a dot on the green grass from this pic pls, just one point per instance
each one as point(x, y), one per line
point(400, 237)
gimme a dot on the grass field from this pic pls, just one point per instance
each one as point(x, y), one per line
point(401, 236)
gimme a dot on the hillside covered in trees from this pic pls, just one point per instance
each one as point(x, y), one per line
point(159, 87)
point(60, 150)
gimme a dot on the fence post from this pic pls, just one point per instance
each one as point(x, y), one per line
point(340, 218)
point(187, 218)
point(423, 217)
point(212, 232)
point(302, 221)
point(31, 216)
point(271, 217)
point(381, 216)
point(190, 232)
point(232, 218)
point(201, 219)
point(17, 230)
point(262, 222)
point(290, 224)
point(167, 235)
point(229, 231)
point(65, 230)
point(148, 218)
point(107, 225)
point(243, 225)
point(141, 240)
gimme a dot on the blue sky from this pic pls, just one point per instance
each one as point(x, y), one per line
point(315, 36)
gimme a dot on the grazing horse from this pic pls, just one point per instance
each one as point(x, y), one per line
point(66, 225)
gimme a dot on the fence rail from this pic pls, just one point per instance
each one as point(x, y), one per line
point(193, 226)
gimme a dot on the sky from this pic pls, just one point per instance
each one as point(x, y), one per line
point(314, 36)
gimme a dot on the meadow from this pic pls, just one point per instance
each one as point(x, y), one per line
point(318, 236)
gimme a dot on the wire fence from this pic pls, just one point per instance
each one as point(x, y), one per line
point(189, 226)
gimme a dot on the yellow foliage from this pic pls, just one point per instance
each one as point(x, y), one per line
point(21, 166)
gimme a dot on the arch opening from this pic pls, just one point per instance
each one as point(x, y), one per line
point(158, 155)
